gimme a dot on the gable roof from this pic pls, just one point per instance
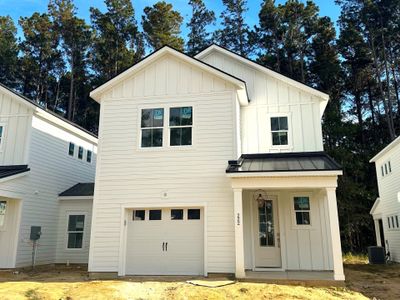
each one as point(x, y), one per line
point(214, 47)
point(239, 83)
point(385, 150)
point(48, 114)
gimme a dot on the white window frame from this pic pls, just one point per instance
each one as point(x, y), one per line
point(91, 156)
point(76, 213)
point(166, 129)
point(83, 153)
point(3, 137)
point(391, 222)
point(289, 131)
point(73, 154)
point(3, 227)
point(311, 211)
point(183, 126)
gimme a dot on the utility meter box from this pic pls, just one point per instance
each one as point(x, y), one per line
point(36, 232)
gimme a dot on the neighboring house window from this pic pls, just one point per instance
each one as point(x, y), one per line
point(388, 220)
point(302, 210)
point(280, 131)
point(386, 168)
point(89, 156)
point(383, 173)
point(3, 210)
point(80, 152)
point(393, 222)
point(71, 149)
point(180, 123)
point(390, 167)
point(76, 225)
point(1, 135)
point(138, 215)
point(152, 122)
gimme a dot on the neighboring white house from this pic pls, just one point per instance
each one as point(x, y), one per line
point(41, 156)
point(212, 164)
point(386, 209)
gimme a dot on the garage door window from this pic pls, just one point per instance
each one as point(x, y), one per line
point(176, 214)
point(193, 214)
point(76, 224)
point(155, 214)
point(138, 215)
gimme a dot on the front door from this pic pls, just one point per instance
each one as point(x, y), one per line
point(267, 252)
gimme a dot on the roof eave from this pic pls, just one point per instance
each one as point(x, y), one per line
point(389, 147)
point(316, 173)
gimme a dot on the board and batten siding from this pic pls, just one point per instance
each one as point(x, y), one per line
point(16, 117)
point(73, 207)
point(272, 97)
point(52, 172)
point(389, 187)
point(130, 176)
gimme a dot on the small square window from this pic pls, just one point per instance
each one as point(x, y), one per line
point(176, 214)
point(138, 215)
point(71, 149)
point(155, 214)
point(303, 218)
point(194, 214)
point(89, 156)
point(80, 152)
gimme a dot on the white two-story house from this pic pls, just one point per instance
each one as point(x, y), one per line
point(386, 209)
point(212, 164)
point(41, 156)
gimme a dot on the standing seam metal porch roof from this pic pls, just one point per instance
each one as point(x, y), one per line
point(283, 162)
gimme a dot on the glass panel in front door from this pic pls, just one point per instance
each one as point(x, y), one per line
point(266, 224)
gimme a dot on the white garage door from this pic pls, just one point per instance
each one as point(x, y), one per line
point(167, 241)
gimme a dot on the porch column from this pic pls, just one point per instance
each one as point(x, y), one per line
point(335, 234)
point(377, 233)
point(239, 248)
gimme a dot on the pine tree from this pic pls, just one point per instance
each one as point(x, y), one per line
point(40, 51)
point(161, 26)
point(199, 38)
point(75, 37)
point(235, 32)
point(117, 40)
point(8, 51)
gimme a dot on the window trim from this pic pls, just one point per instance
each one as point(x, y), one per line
point(83, 152)
point(73, 153)
point(289, 131)
point(166, 132)
point(4, 226)
point(3, 137)
point(393, 222)
point(91, 156)
point(76, 213)
point(296, 226)
point(181, 126)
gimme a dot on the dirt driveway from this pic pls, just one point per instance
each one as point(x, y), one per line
point(363, 282)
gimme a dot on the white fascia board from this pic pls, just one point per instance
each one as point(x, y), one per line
point(75, 198)
point(376, 203)
point(18, 98)
point(284, 174)
point(205, 52)
point(385, 150)
point(97, 93)
point(41, 113)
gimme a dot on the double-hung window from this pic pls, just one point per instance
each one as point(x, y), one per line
point(280, 131)
point(89, 156)
point(80, 152)
point(71, 149)
point(302, 210)
point(152, 122)
point(76, 226)
point(180, 124)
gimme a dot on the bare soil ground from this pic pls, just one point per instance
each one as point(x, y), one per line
point(70, 283)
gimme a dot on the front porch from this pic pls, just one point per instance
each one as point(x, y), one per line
point(286, 224)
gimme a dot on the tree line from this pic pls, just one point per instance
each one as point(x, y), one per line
point(61, 58)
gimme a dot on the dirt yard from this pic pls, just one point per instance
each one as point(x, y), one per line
point(363, 282)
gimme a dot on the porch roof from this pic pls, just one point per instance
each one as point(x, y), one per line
point(80, 189)
point(283, 162)
point(7, 171)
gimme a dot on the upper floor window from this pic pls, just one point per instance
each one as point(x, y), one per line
point(180, 123)
point(152, 122)
point(1, 135)
point(386, 168)
point(3, 210)
point(80, 152)
point(89, 156)
point(280, 131)
point(71, 149)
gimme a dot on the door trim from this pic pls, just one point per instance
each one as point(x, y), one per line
point(280, 225)
point(124, 224)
